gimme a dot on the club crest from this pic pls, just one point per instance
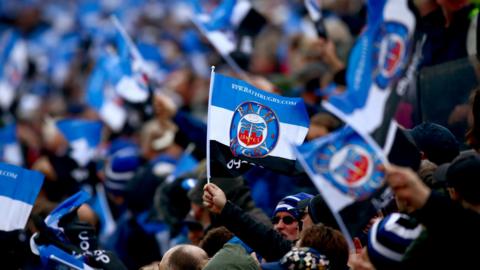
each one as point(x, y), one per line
point(390, 52)
point(353, 168)
point(254, 130)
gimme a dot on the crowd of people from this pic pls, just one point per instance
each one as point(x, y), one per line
point(151, 204)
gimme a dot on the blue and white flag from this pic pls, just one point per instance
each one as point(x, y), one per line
point(130, 76)
point(349, 175)
point(378, 60)
point(51, 255)
point(101, 95)
point(315, 11)
point(10, 151)
point(19, 189)
point(230, 28)
point(13, 65)
point(83, 137)
point(248, 126)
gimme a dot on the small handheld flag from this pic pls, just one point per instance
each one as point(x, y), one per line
point(10, 151)
point(315, 12)
point(83, 136)
point(348, 173)
point(250, 127)
point(19, 189)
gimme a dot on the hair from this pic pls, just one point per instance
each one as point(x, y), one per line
point(327, 241)
point(215, 239)
point(186, 258)
point(473, 133)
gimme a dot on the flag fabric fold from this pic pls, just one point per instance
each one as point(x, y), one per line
point(10, 151)
point(250, 127)
point(377, 61)
point(349, 174)
point(83, 137)
point(19, 189)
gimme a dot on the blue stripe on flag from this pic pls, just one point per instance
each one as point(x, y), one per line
point(74, 129)
point(229, 93)
point(19, 184)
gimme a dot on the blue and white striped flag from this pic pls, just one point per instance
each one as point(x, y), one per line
point(230, 28)
point(248, 126)
point(13, 65)
point(349, 175)
point(378, 60)
point(10, 151)
point(83, 137)
point(19, 189)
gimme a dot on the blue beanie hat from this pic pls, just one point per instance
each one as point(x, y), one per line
point(389, 239)
point(289, 204)
point(120, 169)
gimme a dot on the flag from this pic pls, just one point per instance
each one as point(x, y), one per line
point(19, 189)
point(51, 255)
point(349, 175)
point(377, 61)
point(102, 97)
point(230, 28)
point(315, 11)
point(13, 66)
point(250, 127)
point(130, 75)
point(83, 137)
point(10, 151)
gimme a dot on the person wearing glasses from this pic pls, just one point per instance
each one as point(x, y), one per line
point(287, 218)
point(270, 243)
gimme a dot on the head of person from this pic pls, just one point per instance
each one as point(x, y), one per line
point(185, 257)
point(463, 178)
point(215, 239)
point(327, 241)
point(316, 211)
point(120, 168)
point(473, 133)
point(287, 217)
point(389, 239)
point(436, 142)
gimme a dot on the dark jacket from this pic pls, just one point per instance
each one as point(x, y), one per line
point(451, 239)
point(262, 239)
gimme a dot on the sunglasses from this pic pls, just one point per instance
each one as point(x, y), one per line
point(286, 220)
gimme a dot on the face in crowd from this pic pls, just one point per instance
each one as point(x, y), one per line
point(286, 224)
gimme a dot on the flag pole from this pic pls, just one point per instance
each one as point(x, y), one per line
point(212, 79)
point(131, 45)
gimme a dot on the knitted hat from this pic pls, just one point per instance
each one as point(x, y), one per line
point(120, 169)
point(389, 239)
point(304, 258)
point(436, 141)
point(289, 204)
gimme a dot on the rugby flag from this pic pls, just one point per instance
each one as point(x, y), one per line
point(378, 60)
point(315, 11)
point(248, 126)
point(19, 189)
point(230, 28)
point(101, 95)
point(130, 75)
point(10, 151)
point(13, 65)
point(349, 175)
point(83, 137)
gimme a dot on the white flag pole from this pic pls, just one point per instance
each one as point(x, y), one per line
point(212, 80)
